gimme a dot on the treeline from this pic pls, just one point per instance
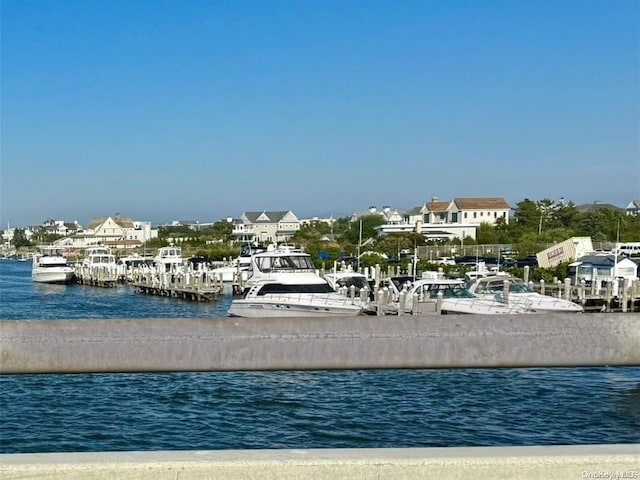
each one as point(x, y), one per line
point(534, 226)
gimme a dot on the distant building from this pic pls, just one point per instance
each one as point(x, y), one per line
point(266, 226)
point(597, 205)
point(114, 232)
point(445, 220)
point(633, 208)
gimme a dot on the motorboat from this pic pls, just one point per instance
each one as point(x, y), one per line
point(97, 266)
point(99, 257)
point(283, 281)
point(238, 269)
point(520, 293)
point(349, 282)
point(50, 265)
point(127, 266)
point(452, 294)
point(168, 258)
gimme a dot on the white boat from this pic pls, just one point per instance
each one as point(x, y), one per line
point(99, 256)
point(348, 281)
point(521, 294)
point(455, 297)
point(168, 258)
point(50, 265)
point(238, 269)
point(284, 282)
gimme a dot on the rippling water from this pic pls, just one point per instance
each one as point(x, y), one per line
point(220, 410)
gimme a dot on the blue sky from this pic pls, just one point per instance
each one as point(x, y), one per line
point(165, 110)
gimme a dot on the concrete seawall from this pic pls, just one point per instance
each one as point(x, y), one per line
point(363, 342)
point(478, 463)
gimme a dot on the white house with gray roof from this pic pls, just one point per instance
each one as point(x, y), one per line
point(266, 226)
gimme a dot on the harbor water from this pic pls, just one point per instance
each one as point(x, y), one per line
point(319, 409)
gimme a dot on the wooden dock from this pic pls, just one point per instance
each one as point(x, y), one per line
point(96, 276)
point(186, 285)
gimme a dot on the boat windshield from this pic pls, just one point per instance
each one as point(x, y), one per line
point(448, 290)
point(358, 282)
point(279, 288)
point(285, 263)
point(515, 286)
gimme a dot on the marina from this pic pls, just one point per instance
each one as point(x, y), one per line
point(289, 409)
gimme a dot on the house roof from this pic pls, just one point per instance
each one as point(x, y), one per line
point(71, 225)
point(121, 221)
point(265, 216)
point(438, 206)
point(484, 203)
point(601, 260)
point(592, 207)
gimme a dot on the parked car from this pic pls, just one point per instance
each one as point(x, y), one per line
point(528, 261)
point(445, 261)
point(508, 262)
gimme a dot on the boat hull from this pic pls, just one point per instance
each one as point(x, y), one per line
point(53, 275)
point(265, 309)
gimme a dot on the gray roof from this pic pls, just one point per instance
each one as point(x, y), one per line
point(592, 207)
point(274, 217)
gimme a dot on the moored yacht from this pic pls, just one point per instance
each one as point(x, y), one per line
point(238, 269)
point(453, 295)
point(283, 281)
point(168, 258)
point(519, 293)
point(99, 256)
point(50, 265)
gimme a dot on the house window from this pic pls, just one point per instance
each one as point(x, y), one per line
point(475, 214)
point(482, 214)
point(465, 214)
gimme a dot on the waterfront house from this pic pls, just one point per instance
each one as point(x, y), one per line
point(117, 232)
point(266, 226)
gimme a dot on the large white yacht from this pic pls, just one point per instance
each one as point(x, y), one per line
point(455, 297)
point(50, 266)
point(283, 281)
point(520, 294)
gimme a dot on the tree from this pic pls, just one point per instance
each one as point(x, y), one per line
point(368, 222)
point(526, 214)
point(20, 239)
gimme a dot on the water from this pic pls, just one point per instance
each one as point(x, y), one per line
point(338, 409)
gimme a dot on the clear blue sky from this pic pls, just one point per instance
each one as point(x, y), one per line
point(188, 109)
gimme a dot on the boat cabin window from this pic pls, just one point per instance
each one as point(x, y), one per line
point(285, 263)
point(276, 288)
point(447, 290)
point(358, 282)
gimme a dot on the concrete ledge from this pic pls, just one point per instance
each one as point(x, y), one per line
point(303, 343)
point(539, 462)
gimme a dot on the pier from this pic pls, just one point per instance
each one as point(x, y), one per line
point(96, 276)
point(187, 285)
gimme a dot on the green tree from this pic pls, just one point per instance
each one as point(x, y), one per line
point(20, 239)
point(368, 223)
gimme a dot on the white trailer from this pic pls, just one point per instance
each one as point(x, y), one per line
point(568, 251)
